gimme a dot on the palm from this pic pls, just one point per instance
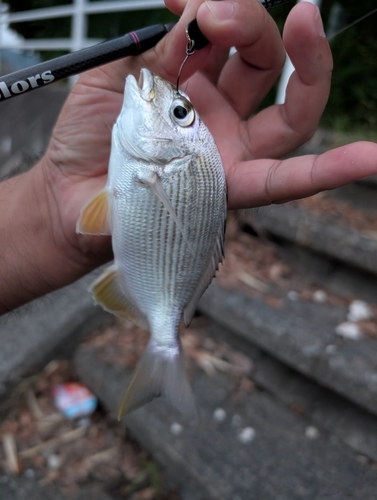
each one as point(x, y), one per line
point(78, 153)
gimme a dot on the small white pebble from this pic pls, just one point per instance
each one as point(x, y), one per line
point(219, 414)
point(176, 429)
point(371, 377)
point(293, 295)
point(320, 296)
point(54, 461)
point(246, 435)
point(349, 330)
point(358, 311)
point(312, 432)
point(236, 420)
point(362, 459)
point(331, 349)
point(84, 422)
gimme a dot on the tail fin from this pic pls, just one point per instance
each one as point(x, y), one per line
point(160, 372)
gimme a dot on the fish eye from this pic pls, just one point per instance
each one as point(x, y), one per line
point(182, 112)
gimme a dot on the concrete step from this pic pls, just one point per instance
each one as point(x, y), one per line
point(345, 233)
point(24, 488)
point(49, 327)
point(302, 334)
point(26, 126)
point(297, 309)
point(259, 449)
point(321, 407)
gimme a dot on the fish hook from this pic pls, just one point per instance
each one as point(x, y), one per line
point(190, 49)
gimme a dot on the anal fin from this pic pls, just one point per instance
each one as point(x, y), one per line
point(106, 291)
point(94, 216)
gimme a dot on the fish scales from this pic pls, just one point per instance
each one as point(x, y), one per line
point(166, 203)
point(171, 265)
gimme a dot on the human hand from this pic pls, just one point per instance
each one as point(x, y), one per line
point(225, 93)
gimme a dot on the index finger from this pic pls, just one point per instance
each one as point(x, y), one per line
point(250, 73)
point(263, 182)
point(278, 129)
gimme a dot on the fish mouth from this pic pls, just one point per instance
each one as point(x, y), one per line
point(144, 85)
point(141, 80)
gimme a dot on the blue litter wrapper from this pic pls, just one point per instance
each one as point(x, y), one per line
point(74, 400)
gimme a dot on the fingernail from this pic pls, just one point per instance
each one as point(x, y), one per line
point(221, 11)
point(319, 24)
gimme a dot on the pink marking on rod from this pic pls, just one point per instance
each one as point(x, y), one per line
point(136, 40)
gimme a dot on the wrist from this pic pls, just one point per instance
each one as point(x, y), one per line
point(21, 227)
point(36, 255)
point(65, 195)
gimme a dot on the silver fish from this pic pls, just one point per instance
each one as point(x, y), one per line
point(165, 206)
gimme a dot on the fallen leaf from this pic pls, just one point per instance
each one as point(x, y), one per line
point(275, 302)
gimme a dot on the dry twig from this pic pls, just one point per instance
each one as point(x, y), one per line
point(67, 437)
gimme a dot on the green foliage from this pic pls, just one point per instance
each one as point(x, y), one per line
point(353, 99)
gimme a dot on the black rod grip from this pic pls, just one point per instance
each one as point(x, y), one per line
point(47, 72)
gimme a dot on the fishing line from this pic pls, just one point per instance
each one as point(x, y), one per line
point(345, 28)
point(190, 49)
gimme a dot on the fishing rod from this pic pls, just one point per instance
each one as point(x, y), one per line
point(131, 44)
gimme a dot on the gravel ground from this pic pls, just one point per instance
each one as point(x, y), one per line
point(49, 451)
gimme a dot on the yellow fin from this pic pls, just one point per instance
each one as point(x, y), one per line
point(107, 293)
point(94, 217)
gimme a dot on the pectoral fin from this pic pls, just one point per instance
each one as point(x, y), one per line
point(107, 293)
point(94, 217)
point(157, 188)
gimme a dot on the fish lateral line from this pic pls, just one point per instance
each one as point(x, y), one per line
point(154, 183)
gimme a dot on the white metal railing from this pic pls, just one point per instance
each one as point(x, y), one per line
point(288, 68)
point(78, 10)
